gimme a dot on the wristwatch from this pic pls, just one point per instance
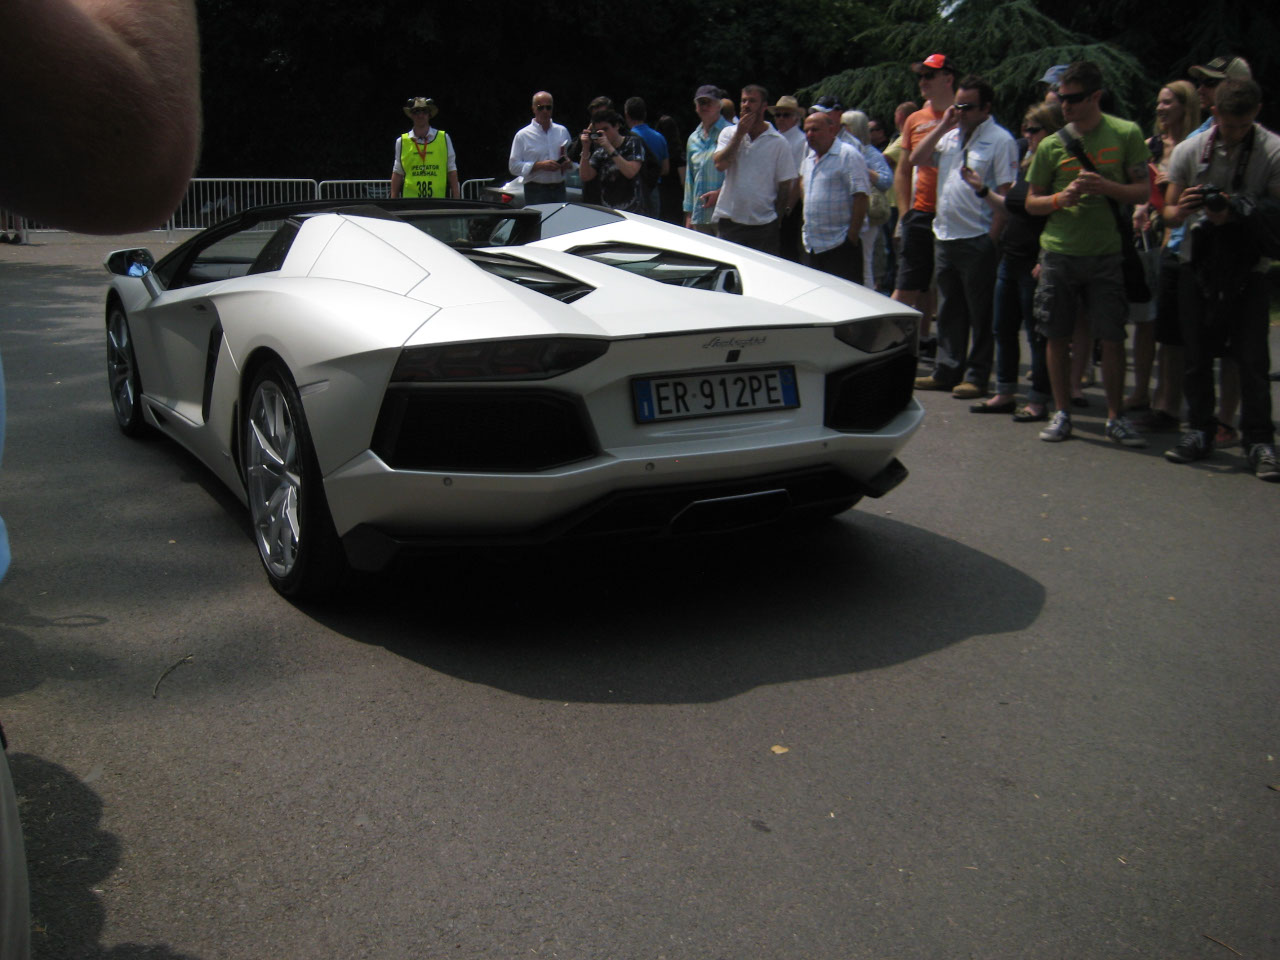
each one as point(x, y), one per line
point(983, 192)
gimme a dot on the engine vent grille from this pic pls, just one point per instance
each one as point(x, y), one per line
point(494, 431)
point(867, 396)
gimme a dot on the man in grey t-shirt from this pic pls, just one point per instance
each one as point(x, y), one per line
point(1216, 181)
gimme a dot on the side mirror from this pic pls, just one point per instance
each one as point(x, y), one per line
point(129, 263)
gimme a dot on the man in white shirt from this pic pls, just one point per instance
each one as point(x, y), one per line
point(834, 182)
point(537, 154)
point(759, 169)
point(964, 231)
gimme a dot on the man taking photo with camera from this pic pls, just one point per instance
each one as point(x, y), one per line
point(1224, 184)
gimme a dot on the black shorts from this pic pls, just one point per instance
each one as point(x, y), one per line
point(915, 262)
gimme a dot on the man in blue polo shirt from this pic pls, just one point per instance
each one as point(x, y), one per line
point(655, 145)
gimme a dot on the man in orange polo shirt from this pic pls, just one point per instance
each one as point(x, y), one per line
point(937, 77)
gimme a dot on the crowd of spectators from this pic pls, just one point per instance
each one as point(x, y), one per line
point(1068, 230)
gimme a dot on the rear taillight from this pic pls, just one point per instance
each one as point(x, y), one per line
point(535, 358)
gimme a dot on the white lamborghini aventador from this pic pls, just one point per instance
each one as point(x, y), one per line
point(419, 374)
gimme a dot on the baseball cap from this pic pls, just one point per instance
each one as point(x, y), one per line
point(827, 104)
point(1053, 76)
point(1223, 68)
point(935, 61)
point(708, 91)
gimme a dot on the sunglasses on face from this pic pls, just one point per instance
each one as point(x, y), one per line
point(1074, 97)
point(1209, 82)
point(543, 106)
point(928, 74)
point(1032, 129)
point(418, 110)
point(962, 107)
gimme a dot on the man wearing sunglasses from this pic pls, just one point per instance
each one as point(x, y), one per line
point(937, 79)
point(1080, 248)
point(537, 154)
point(967, 141)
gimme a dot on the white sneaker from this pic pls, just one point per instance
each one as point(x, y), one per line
point(1059, 428)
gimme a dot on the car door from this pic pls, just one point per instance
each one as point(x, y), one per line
point(177, 335)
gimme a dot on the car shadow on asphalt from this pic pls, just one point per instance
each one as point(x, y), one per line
point(69, 857)
point(691, 620)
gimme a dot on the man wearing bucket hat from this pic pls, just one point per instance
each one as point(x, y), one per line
point(787, 113)
point(425, 164)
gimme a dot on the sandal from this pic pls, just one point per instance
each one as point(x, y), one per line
point(1004, 406)
point(1027, 415)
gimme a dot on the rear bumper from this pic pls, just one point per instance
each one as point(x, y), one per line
point(650, 513)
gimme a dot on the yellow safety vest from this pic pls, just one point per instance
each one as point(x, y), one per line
point(426, 172)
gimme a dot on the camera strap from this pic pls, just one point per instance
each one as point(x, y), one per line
point(1076, 149)
point(1242, 160)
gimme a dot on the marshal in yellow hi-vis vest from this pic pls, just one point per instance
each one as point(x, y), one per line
point(426, 172)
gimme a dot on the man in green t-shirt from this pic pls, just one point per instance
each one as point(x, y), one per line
point(1080, 253)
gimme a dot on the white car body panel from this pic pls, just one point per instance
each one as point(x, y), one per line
point(354, 292)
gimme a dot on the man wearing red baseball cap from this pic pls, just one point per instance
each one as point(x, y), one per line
point(937, 75)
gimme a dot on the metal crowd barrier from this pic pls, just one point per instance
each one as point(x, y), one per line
point(354, 189)
point(474, 189)
point(210, 199)
point(14, 225)
point(381, 189)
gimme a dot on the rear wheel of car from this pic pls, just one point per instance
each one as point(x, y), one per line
point(297, 542)
point(122, 374)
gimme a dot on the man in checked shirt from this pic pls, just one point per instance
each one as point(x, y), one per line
point(833, 178)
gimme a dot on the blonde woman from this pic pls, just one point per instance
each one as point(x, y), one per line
point(881, 176)
point(1177, 114)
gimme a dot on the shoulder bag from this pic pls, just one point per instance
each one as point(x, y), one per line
point(1135, 277)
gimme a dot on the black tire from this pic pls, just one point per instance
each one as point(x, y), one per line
point(122, 374)
point(292, 526)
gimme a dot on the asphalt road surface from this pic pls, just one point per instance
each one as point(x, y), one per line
point(1025, 706)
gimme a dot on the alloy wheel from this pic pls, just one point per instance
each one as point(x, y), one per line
point(274, 476)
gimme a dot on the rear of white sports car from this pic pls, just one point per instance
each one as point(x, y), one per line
point(628, 379)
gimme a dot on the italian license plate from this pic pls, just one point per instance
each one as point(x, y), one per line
point(714, 393)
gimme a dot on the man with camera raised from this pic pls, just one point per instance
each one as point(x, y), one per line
point(615, 159)
point(1225, 185)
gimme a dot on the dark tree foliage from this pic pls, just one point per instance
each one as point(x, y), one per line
point(1168, 38)
point(315, 89)
point(1009, 42)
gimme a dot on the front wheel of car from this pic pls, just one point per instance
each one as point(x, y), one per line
point(292, 526)
point(122, 374)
